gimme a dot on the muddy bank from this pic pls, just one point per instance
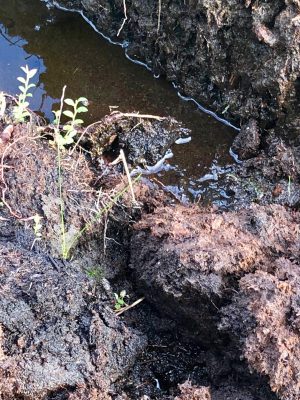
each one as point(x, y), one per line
point(240, 57)
point(60, 335)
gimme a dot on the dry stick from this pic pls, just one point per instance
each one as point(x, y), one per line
point(146, 116)
point(60, 177)
point(159, 15)
point(125, 18)
point(119, 312)
point(123, 158)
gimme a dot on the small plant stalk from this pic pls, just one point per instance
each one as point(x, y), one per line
point(59, 171)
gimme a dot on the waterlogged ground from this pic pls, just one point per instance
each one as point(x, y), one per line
point(67, 51)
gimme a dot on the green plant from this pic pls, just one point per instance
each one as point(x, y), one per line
point(20, 110)
point(120, 302)
point(69, 130)
point(61, 140)
point(62, 136)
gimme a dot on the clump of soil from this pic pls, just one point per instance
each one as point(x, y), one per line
point(87, 193)
point(58, 332)
point(270, 339)
point(144, 140)
point(188, 391)
point(229, 279)
point(247, 142)
point(268, 175)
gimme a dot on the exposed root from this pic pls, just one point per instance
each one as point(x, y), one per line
point(143, 116)
point(123, 159)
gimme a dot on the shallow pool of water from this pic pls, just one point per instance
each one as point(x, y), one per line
point(67, 51)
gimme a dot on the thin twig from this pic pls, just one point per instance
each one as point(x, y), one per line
point(59, 171)
point(125, 18)
point(145, 116)
point(81, 136)
point(123, 158)
point(119, 312)
point(159, 15)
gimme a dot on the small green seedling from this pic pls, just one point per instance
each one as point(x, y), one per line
point(20, 109)
point(95, 273)
point(120, 302)
point(69, 130)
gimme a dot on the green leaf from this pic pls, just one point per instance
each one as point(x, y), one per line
point(68, 140)
point(78, 121)
point(82, 100)
point(68, 127)
point(22, 89)
point(70, 102)
point(31, 85)
point(71, 133)
point(29, 95)
point(25, 69)
point(25, 104)
point(31, 73)
point(20, 79)
point(81, 109)
point(68, 113)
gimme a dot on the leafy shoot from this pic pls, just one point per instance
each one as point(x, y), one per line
point(69, 130)
point(20, 110)
point(120, 302)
